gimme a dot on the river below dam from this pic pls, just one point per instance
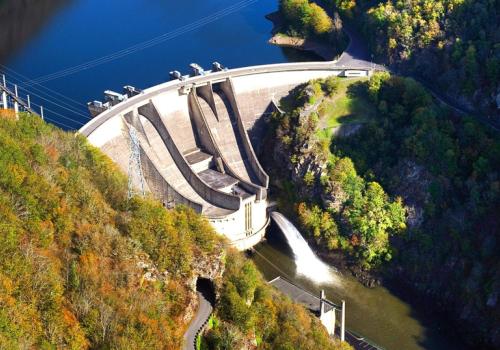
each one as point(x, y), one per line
point(376, 313)
point(51, 36)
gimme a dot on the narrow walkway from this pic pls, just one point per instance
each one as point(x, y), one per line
point(312, 302)
point(205, 309)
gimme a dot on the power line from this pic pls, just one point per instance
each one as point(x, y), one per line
point(144, 45)
point(79, 123)
point(58, 123)
point(48, 98)
point(23, 77)
point(58, 105)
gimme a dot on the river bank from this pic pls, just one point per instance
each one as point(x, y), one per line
point(382, 314)
point(279, 38)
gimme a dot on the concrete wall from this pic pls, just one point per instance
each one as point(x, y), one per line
point(251, 94)
point(227, 88)
point(160, 187)
point(207, 92)
point(231, 226)
point(328, 321)
point(213, 196)
point(203, 130)
point(199, 115)
point(157, 184)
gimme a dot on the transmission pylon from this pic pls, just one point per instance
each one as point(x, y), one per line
point(134, 164)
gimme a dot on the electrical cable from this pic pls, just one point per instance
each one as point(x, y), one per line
point(146, 44)
point(23, 77)
point(50, 110)
point(79, 123)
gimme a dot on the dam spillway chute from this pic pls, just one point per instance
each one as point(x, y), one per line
point(307, 263)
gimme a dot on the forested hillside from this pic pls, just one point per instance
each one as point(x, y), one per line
point(83, 267)
point(447, 170)
point(337, 207)
point(412, 191)
point(72, 249)
point(453, 44)
point(251, 314)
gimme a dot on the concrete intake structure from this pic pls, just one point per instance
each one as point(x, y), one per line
point(198, 139)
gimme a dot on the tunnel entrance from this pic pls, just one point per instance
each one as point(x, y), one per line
point(206, 287)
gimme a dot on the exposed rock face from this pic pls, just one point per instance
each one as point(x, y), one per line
point(209, 267)
point(413, 186)
point(347, 129)
point(303, 158)
point(212, 268)
point(335, 197)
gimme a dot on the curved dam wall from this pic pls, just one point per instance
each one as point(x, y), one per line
point(239, 208)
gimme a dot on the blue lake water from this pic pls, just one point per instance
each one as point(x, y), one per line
point(83, 30)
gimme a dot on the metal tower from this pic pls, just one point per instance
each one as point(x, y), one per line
point(134, 164)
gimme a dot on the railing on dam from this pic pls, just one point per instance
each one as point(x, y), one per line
point(129, 104)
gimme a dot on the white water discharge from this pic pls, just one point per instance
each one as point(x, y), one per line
point(308, 264)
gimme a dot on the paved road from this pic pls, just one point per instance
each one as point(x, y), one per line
point(205, 309)
point(495, 125)
point(357, 54)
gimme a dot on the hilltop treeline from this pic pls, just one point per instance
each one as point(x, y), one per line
point(454, 44)
point(83, 267)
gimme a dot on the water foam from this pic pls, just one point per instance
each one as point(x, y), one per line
point(308, 264)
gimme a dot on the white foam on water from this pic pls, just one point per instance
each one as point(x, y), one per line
point(308, 264)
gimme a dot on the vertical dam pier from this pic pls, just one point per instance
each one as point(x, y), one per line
point(198, 137)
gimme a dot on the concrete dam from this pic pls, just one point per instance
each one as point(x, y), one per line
point(198, 136)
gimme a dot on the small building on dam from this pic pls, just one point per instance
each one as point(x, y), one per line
point(195, 138)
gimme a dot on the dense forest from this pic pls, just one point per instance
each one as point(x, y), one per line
point(454, 45)
point(305, 18)
point(412, 193)
point(447, 170)
point(360, 216)
point(81, 266)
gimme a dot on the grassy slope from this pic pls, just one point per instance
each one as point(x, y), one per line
point(342, 108)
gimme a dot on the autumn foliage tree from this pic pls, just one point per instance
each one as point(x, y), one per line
point(306, 18)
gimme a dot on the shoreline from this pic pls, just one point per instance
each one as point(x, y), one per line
point(324, 51)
